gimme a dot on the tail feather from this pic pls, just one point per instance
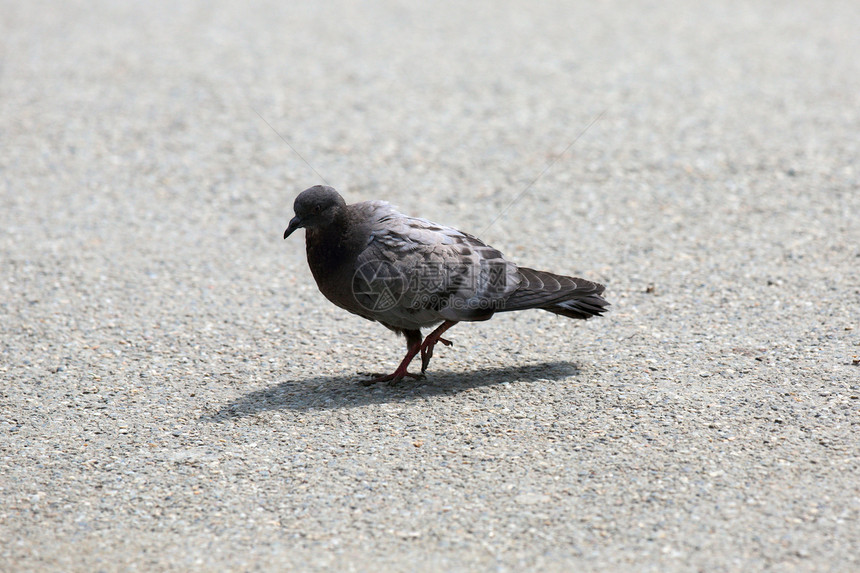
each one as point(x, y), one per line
point(568, 296)
point(592, 305)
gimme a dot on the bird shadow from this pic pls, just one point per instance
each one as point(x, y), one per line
point(331, 392)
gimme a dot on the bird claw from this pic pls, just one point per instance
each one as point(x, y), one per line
point(426, 355)
point(393, 379)
point(427, 351)
point(425, 348)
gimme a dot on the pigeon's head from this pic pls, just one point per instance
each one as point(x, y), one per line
point(315, 207)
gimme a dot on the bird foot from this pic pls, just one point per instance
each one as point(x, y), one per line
point(427, 350)
point(392, 378)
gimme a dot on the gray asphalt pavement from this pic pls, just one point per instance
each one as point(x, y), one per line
point(175, 394)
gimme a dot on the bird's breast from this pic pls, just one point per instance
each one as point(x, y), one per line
point(332, 265)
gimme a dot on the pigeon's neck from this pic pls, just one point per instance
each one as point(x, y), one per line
point(334, 247)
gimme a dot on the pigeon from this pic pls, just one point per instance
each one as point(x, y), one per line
point(409, 273)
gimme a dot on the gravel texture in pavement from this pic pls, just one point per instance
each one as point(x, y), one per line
point(176, 394)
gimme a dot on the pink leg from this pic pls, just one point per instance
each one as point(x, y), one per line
point(431, 340)
point(401, 371)
point(413, 346)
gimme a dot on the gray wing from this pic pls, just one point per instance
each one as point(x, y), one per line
point(415, 273)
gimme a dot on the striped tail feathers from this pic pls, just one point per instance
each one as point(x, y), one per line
point(583, 308)
point(568, 296)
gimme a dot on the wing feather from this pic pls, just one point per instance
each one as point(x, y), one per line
point(444, 274)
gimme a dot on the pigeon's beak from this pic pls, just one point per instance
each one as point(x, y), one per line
point(295, 223)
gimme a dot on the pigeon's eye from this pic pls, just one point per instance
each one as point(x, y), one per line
point(318, 209)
